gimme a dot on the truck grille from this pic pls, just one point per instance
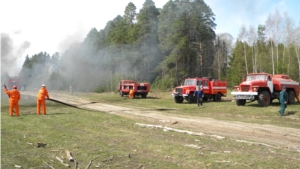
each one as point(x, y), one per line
point(178, 90)
point(142, 88)
point(245, 88)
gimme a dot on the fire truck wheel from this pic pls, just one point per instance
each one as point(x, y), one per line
point(264, 99)
point(190, 98)
point(178, 99)
point(291, 97)
point(144, 95)
point(240, 102)
point(217, 97)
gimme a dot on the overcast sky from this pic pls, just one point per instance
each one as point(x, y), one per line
point(32, 26)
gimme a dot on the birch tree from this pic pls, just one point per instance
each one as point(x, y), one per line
point(270, 36)
point(252, 39)
point(278, 32)
point(288, 36)
point(274, 29)
point(242, 37)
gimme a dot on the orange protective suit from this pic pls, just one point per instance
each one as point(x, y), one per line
point(131, 94)
point(14, 97)
point(41, 100)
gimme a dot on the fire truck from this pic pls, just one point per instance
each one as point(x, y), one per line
point(213, 89)
point(264, 88)
point(140, 89)
point(12, 82)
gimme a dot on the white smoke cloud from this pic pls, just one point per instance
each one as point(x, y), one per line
point(12, 55)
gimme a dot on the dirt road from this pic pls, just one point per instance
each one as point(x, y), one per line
point(267, 135)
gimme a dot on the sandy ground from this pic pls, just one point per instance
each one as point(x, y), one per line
point(265, 135)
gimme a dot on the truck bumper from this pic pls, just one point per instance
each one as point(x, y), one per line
point(244, 95)
point(179, 94)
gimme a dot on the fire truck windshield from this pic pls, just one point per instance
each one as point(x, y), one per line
point(256, 77)
point(188, 82)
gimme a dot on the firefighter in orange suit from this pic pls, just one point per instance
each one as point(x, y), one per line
point(131, 93)
point(43, 93)
point(14, 97)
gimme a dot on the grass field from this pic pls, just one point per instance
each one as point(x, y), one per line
point(112, 141)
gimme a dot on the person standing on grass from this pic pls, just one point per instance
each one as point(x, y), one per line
point(42, 94)
point(283, 101)
point(199, 95)
point(14, 97)
point(131, 93)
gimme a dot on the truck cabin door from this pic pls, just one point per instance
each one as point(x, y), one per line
point(205, 86)
point(270, 83)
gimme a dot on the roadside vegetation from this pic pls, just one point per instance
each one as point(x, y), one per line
point(102, 140)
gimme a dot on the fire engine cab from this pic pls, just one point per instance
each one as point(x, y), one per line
point(264, 88)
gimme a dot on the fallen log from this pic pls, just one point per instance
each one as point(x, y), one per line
point(69, 156)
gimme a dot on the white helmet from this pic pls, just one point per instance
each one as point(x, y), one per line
point(43, 85)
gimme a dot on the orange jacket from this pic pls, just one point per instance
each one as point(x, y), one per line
point(14, 95)
point(42, 94)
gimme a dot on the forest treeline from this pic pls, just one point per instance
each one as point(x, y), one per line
point(165, 46)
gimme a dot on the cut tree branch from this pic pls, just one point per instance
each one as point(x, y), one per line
point(62, 162)
point(91, 162)
point(48, 165)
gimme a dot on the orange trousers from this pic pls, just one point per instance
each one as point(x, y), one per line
point(13, 106)
point(39, 103)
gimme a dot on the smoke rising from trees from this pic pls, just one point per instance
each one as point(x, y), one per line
point(11, 54)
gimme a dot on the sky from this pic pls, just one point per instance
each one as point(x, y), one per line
point(29, 27)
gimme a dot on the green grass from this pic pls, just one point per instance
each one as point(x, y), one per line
point(92, 134)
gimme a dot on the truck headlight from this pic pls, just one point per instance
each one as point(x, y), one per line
point(187, 92)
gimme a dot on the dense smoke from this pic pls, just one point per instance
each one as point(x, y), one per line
point(87, 70)
point(11, 55)
point(74, 38)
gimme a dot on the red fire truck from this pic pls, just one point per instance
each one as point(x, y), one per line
point(12, 82)
point(264, 88)
point(140, 89)
point(213, 89)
